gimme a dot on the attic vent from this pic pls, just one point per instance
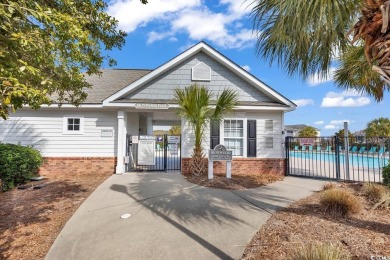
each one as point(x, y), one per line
point(201, 72)
point(269, 125)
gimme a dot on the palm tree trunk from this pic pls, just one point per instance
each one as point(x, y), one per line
point(198, 163)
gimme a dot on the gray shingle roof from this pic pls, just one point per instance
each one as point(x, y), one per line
point(110, 82)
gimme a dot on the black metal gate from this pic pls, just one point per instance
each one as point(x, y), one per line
point(166, 153)
point(352, 159)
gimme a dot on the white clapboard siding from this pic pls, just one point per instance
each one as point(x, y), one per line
point(262, 133)
point(43, 129)
point(188, 139)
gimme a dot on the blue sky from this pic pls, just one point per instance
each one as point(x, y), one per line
point(163, 29)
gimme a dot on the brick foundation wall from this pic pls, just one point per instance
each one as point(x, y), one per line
point(69, 165)
point(244, 166)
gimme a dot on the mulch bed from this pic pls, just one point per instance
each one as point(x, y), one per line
point(237, 182)
point(361, 235)
point(31, 219)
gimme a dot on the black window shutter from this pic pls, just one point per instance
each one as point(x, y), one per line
point(214, 134)
point(251, 138)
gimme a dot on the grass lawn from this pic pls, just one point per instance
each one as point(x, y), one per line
point(361, 235)
point(31, 219)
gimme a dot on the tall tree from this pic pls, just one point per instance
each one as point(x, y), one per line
point(308, 131)
point(47, 46)
point(378, 127)
point(195, 106)
point(340, 134)
point(305, 36)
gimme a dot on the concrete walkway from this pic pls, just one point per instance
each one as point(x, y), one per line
point(171, 218)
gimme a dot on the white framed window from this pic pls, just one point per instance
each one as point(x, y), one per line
point(234, 136)
point(73, 125)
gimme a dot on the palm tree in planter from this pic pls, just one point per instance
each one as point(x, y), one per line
point(196, 107)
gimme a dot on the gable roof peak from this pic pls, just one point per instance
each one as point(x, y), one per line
point(213, 53)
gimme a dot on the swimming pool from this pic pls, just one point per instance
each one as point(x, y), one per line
point(355, 160)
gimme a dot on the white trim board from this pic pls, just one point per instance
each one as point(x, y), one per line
point(132, 105)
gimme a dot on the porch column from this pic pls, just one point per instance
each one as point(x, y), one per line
point(121, 148)
point(149, 125)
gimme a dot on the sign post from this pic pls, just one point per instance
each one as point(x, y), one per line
point(219, 153)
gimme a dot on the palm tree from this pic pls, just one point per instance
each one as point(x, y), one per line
point(378, 127)
point(175, 130)
point(340, 134)
point(305, 36)
point(195, 107)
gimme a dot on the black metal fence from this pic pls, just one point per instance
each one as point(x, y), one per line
point(351, 159)
point(166, 153)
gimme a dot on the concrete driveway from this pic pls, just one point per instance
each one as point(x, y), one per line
point(171, 218)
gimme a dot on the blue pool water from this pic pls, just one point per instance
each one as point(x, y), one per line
point(355, 160)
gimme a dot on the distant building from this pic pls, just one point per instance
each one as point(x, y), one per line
point(359, 136)
point(293, 130)
point(359, 133)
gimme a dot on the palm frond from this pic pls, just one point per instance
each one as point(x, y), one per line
point(354, 72)
point(226, 102)
point(195, 107)
point(302, 35)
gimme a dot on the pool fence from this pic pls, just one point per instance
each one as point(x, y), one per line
point(355, 158)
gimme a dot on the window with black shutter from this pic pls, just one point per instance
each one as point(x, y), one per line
point(214, 134)
point(251, 138)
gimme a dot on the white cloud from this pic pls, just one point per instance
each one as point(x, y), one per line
point(194, 18)
point(344, 99)
point(246, 67)
point(155, 36)
point(237, 7)
point(132, 14)
point(317, 79)
point(339, 122)
point(330, 127)
point(303, 102)
point(319, 122)
point(172, 39)
point(197, 24)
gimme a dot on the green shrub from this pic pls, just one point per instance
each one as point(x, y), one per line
point(17, 165)
point(374, 192)
point(386, 175)
point(318, 251)
point(337, 202)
